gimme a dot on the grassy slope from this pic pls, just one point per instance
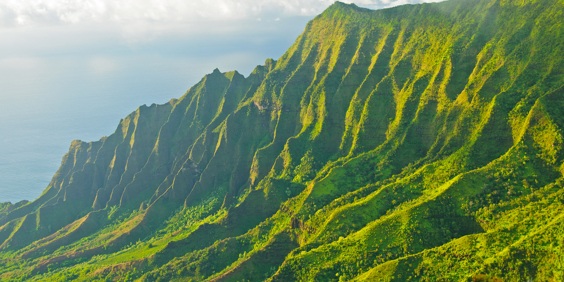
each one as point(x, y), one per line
point(384, 145)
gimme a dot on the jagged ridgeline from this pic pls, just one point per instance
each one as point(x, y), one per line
point(417, 143)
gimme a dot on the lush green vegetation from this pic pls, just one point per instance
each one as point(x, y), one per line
point(417, 143)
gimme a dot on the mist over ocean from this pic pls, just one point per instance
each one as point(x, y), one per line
point(48, 99)
point(53, 103)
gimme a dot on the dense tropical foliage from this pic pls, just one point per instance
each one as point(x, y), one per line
point(416, 143)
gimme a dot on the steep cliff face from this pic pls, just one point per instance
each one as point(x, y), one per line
point(383, 145)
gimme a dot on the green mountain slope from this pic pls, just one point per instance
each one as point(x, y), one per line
point(417, 143)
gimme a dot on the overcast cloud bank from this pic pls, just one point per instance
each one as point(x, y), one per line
point(46, 12)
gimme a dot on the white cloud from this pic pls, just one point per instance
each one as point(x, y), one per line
point(53, 12)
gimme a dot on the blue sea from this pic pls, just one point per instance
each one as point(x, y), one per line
point(50, 98)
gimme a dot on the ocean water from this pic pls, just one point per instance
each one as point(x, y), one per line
point(42, 112)
point(48, 99)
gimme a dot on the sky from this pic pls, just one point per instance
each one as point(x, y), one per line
point(132, 12)
point(103, 31)
point(71, 69)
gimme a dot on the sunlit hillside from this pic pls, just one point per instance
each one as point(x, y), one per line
point(416, 143)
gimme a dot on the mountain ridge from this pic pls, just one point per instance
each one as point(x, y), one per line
point(383, 145)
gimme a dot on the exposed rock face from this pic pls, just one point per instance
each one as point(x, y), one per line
point(384, 145)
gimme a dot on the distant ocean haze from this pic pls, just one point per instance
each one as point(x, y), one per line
point(51, 98)
point(55, 101)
